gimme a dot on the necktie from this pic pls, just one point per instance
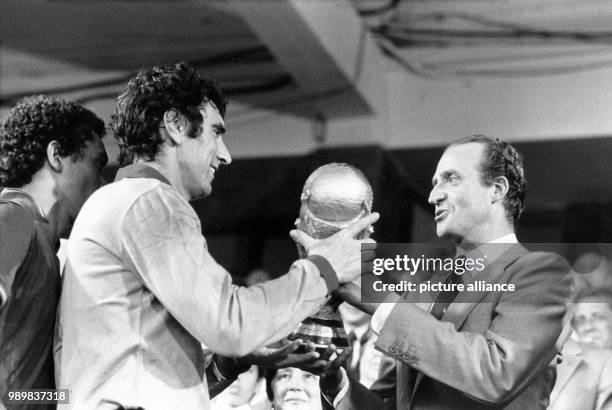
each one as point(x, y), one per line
point(353, 364)
point(444, 299)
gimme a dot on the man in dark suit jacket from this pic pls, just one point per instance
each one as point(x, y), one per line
point(484, 350)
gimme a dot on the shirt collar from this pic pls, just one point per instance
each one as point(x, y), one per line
point(509, 238)
point(490, 250)
point(140, 170)
point(25, 200)
point(361, 332)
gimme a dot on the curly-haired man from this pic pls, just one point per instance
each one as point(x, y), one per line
point(51, 157)
point(141, 291)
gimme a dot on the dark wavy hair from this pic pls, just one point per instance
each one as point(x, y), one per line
point(140, 109)
point(29, 128)
point(501, 159)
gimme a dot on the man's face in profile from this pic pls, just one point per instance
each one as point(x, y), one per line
point(592, 321)
point(462, 202)
point(201, 154)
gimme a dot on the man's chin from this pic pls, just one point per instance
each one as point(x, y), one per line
point(202, 193)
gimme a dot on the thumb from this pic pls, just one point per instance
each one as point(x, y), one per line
point(302, 238)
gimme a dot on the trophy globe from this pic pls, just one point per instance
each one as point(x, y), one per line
point(334, 196)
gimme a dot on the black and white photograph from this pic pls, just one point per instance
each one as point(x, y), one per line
point(306, 204)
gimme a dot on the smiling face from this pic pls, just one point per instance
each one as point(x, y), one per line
point(295, 389)
point(463, 204)
point(200, 155)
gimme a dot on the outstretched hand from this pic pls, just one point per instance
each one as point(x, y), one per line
point(328, 368)
point(329, 361)
point(341, 249)
point(294, 353)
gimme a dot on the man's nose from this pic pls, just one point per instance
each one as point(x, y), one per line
point(223, 154)
point(296, 383)
point(436, 195)
point(588, 325)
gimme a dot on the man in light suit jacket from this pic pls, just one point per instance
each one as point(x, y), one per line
point(484, 350)
point(584, 379)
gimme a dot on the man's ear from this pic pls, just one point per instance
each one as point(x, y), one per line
point(175, 124)
point(54, 158)
point(500, 189)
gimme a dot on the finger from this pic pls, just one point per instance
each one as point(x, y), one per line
point(367, 255)
point(329, 351)
point(309, 346)
point(342, 356)
point(302, 239)
point(317, 367)
point(349, 287)
point(358, 226)
point(296, 360)
point(286, 349)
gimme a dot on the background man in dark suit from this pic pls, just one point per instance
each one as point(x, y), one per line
point(483, 349)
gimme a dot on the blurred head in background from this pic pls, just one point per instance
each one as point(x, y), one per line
point(592, 318)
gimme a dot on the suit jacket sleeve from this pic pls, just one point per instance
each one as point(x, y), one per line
point(495, 366)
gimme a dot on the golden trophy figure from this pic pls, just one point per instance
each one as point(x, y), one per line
point(334, 196)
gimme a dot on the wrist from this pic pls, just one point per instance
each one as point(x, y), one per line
point(326, 271)
point(229, 368)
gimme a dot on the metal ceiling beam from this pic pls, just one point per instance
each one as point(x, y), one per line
point(325, 47)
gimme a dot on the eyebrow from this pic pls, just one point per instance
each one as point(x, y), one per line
point(444, 175)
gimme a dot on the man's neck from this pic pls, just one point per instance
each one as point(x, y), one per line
point(497, 227)
point(46, 205)
point(44, 190)
point(169, 169)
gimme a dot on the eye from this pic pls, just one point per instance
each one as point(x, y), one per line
point(453, 178)
point(282, 376)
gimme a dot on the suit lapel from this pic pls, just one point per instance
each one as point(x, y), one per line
point(569, 368)
point(465, 302)
point(572, 357)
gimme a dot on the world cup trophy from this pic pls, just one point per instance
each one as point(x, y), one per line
point(334, 196)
